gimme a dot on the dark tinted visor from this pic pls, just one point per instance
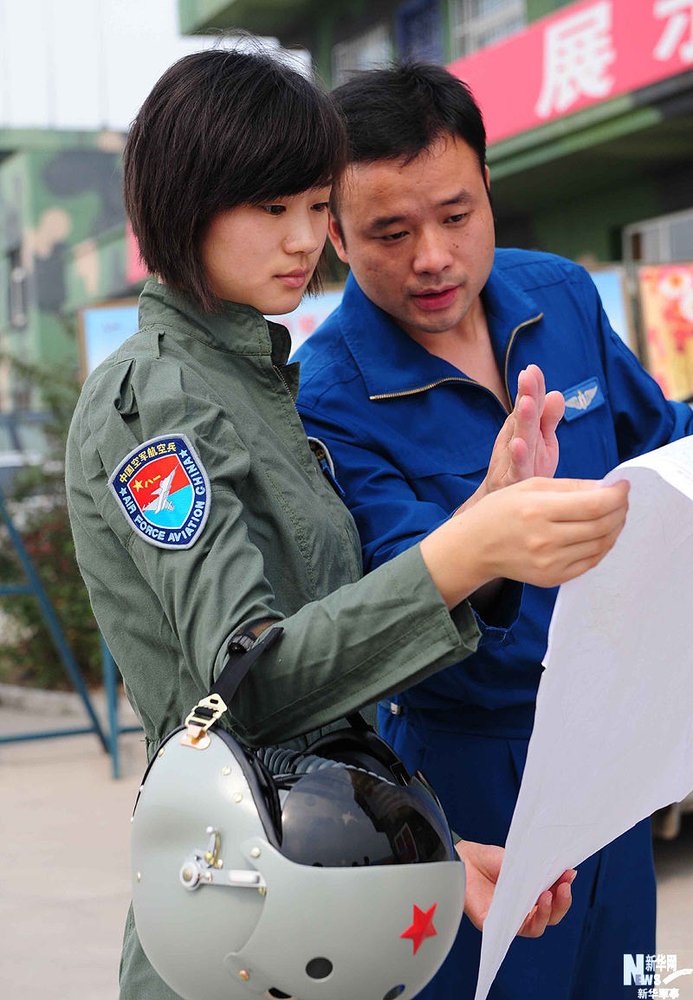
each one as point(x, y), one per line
point(342, 817)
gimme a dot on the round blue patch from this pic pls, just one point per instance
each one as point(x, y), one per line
point(163, 490)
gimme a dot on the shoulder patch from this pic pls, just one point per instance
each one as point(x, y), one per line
point(583, 397)
point(163, 491)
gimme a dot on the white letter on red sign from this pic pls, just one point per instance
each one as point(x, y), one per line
point(578, 51)
point(680, 14)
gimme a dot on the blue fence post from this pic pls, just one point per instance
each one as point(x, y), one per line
point(35, 587)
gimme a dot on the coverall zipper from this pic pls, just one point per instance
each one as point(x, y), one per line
point(469, 381)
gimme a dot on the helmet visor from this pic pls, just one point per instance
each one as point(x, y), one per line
point(343, 817)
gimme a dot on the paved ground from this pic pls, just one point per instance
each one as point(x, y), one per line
point(64, 882)
point(64, 874)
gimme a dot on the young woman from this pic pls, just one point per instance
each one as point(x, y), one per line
point(199, 510)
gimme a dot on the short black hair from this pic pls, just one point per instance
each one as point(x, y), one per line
point(221, 128)
point(398, 112)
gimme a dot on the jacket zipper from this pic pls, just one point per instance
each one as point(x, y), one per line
point(285, 384)
point(321, 456)
point(469, 381)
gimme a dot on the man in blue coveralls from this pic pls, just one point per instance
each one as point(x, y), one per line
point(408, 383)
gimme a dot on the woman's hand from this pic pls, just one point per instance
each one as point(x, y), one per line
point(541, 531)
point(547, 531)
point(483, 864)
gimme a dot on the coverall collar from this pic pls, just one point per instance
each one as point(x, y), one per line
point(238, 329)
point(391, 362)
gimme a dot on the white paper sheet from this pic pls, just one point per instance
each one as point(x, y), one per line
point(613, 733)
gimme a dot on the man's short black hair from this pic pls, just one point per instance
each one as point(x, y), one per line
point(221, 128)
point(397, 113)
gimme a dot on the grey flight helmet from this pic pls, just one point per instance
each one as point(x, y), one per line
point(323, 875)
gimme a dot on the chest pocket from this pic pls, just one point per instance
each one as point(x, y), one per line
point(449, 467)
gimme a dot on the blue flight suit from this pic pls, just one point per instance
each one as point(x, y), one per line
point(411, 436)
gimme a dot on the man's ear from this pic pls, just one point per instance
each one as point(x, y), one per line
point(336, 238)
point(487, 178)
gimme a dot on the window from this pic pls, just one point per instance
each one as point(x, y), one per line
point(17, 290)
point(665, 240)
point(474, 24)
point(370, 50)
point(419, 31)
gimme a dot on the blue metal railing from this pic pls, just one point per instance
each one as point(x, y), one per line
point(34, 587)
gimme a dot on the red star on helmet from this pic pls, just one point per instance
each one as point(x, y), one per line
point(421, 927)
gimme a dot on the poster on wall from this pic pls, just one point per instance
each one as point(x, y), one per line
point(309, 315)
point(611, 285)
point(666, 304)
point(105, 327)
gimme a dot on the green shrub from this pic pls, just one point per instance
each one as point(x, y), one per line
point(38, 506)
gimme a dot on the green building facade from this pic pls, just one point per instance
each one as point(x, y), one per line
point(63, 245)
point(610, 179)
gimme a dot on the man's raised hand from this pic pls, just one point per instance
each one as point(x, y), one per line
point(527, 445)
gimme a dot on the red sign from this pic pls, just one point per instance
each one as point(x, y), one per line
point(583, 54)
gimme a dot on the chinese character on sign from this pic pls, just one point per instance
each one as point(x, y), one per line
point(578, 51)
point(680, 24)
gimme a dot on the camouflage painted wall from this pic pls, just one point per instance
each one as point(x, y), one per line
point(15, 333)
point(62, 246)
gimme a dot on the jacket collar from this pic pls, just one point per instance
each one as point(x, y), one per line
point(238, 329)
point(391, 362)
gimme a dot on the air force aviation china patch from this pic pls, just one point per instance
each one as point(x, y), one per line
point(163, 491)
point(580, 398)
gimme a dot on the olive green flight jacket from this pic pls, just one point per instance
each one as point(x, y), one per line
point(278, 542)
